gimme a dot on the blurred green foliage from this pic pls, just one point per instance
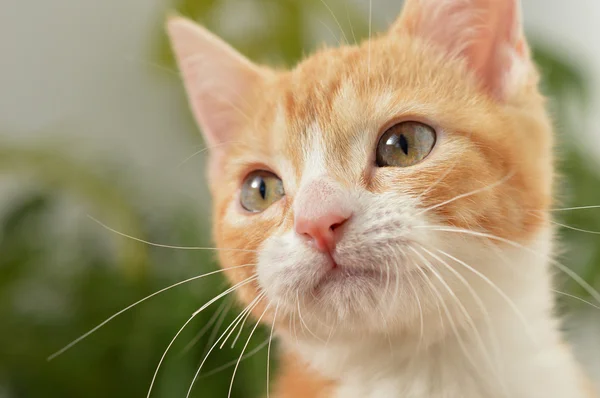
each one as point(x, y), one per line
point(54, 287)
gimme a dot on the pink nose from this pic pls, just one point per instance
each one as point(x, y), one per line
point(321, 230)
point(320, 209)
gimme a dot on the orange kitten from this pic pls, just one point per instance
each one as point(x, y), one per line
point(393, 199)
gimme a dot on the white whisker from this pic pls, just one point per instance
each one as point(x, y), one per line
point(576, 208)
point(203, 150)
point(335, 19)
point(302, 319)
point(493, 337)
point(244, 315)
point(421, 320)
point(231, 326)
point(229, 364)
point(446, 310)
point(107, 320)
point(350, 23)
point(244, 349)
point(508, 300)
point(339, 40)
point(207, 326)
point(588, 288)
point(576, 298)
point(165, 246)
point(215, 330)
point(269, 352)
point(241, 328)
point(465, 195)
point(587, 231)
point(369, 42)
point(162, 358)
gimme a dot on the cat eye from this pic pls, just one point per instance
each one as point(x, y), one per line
point(405, 144)
point(260, 190)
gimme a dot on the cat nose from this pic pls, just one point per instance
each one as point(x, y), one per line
point(321, 209)
point(323, 230)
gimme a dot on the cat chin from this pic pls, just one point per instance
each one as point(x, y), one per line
point(316, 297)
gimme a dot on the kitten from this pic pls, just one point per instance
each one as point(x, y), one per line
point(392, 198)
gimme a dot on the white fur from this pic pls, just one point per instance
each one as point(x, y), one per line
point(368, 368)
point(379, 359)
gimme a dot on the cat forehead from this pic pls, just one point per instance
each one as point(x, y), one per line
point(362, 83)
point(327, 112)
point(333, 104)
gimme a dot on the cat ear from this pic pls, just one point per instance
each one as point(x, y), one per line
point(487, 33)
point(218, 81)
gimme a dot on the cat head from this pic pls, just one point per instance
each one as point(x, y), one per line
point(350, 184)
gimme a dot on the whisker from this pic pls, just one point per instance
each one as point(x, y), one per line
point(155, 65)
point(302, 319)
point(332, 331)
point(244, 349)
point(269, 352)
point(387, 280)
point(474, 192)
point(107, 320)
point(336, 20)
point(502, 294)
point(203, 150)
point(587, 231)
point(351, 27)
point(231, 326)
point(165, 246)
point(429, 285)
point(229, 364)
point(440, 179)
point(576, 298)
point(244, 315)
point(338, 39)
point(241, 327)
point(468, 286)
point(386, 328)
point(421, 321)
point(215, 330)
point(443, 176)
point(193, 155)
point(576, 208)
point(441, 301)
point(539, 214)
point(295, 331)
point(226, 292)
point(492, 335)
point(206, 327)
point(369, 42)
point(446, 310)
point(586, 286)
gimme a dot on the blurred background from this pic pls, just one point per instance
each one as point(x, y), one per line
point(93, 122)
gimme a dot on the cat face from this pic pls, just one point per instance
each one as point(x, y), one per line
point(351, 183)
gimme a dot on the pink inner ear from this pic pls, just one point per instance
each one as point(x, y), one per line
point(219, 83)
point(218, 80)
point(487, 33)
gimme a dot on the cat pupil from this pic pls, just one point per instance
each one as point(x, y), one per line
point(262, 189)
point(403, 144)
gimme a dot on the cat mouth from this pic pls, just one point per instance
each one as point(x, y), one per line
point(340, 276)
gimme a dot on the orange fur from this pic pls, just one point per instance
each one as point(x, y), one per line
point(341, 96)
point(493, 140)
point(297, 380)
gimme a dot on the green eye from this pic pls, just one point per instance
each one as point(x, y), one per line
point(260, 190)
point(405, 144)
